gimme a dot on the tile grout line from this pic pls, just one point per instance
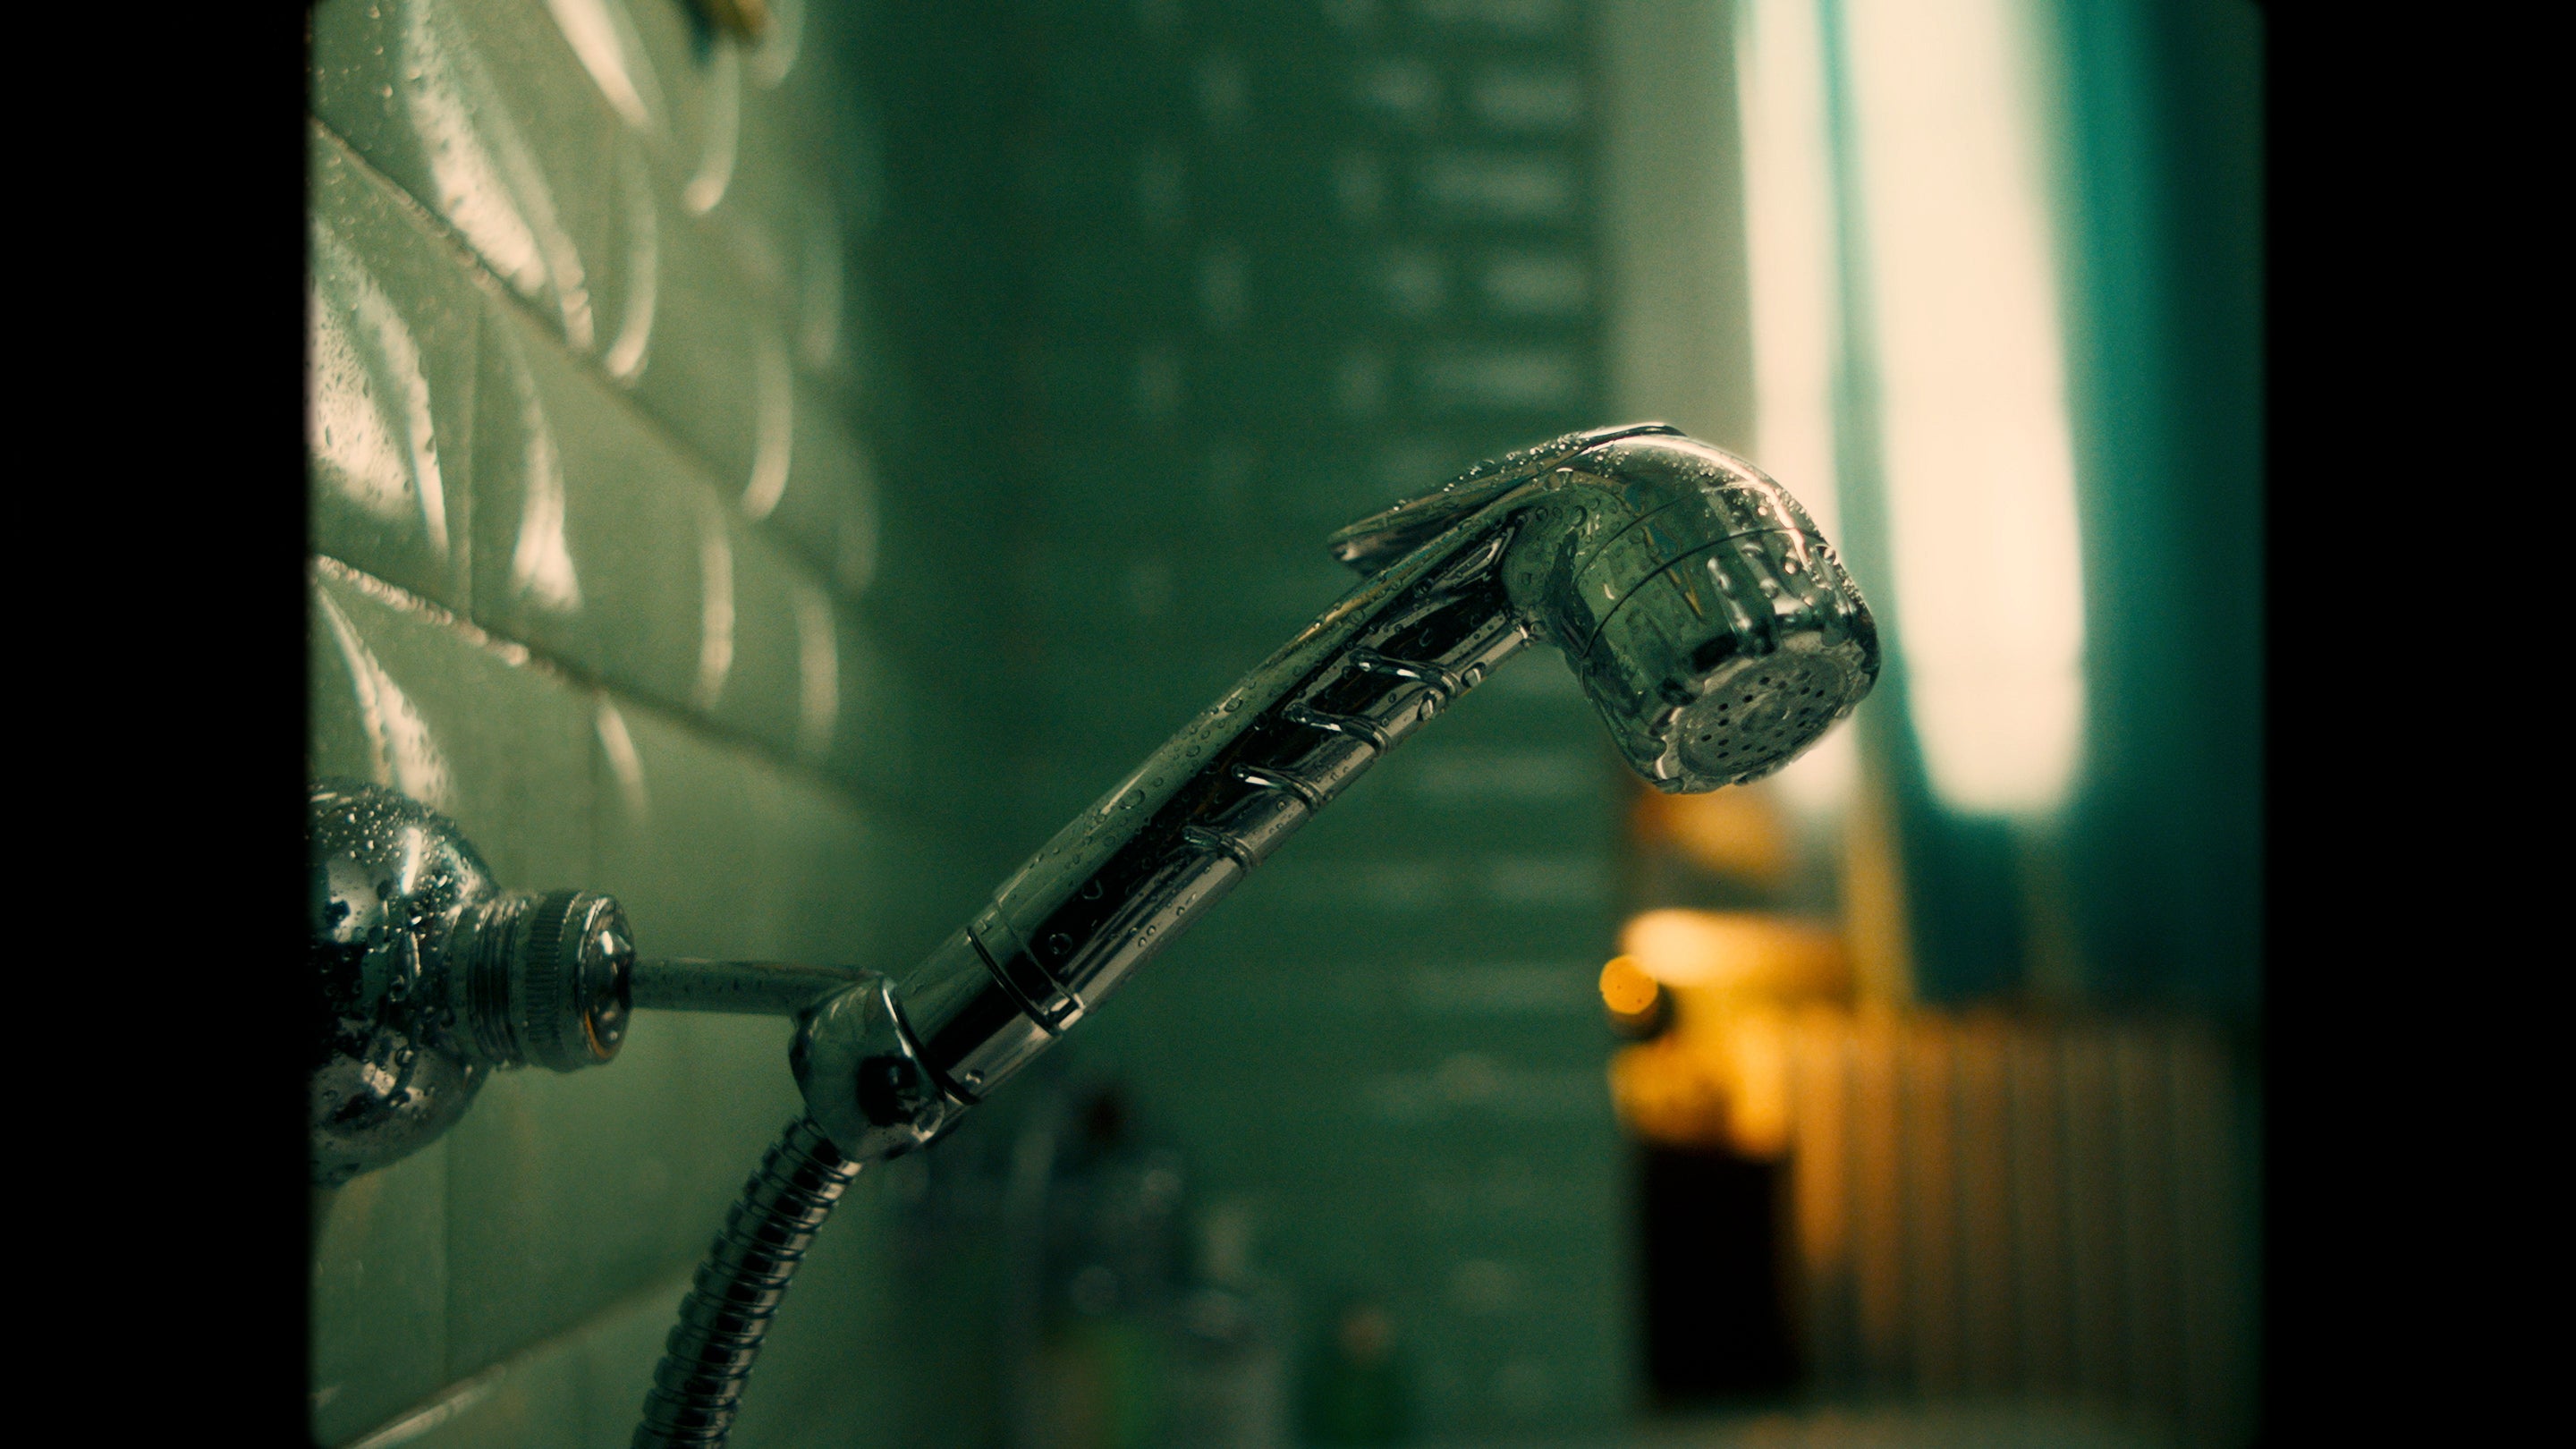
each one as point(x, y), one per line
point(461, 1395)
point(523, 656)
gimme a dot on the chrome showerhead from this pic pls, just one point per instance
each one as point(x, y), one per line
point(1708, 620)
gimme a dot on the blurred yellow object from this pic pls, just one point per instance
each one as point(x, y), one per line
point(1720, 1075)
point(1727, 1086)
point(1665, 1094)
point(1737, 832)
point(1772, 957)
point(1626, 988)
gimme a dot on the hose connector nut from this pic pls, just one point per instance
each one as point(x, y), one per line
point(578, 984)
point(545, 980)
point(863, 1077)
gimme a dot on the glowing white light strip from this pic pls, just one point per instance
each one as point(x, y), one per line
point(1796, 306)
point(1960, 263)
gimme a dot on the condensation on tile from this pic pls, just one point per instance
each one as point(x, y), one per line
point(488, 183)
point(368, 419)
point(404, 755)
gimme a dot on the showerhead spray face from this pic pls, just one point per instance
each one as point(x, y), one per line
point(1708, 620)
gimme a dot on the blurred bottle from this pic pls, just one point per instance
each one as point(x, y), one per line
point(1229, 1371)
point(1359, 1387)
point(1108, 1279)
point(1140, 1325)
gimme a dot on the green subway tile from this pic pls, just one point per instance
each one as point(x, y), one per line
point(780, 155)
point(829, 869)
point(391, 384)
point(1117, 494)
point(668, 54)
point(783, 629)
point(569, 1191)
point(826, 506)
point(884, 727)
point(683, 835)
point(532, 1401)
point(837, 347)
point(343, 736)
point(379, 1295)
point(482, 111)
point(604, 546)
point(1120, 283)
point(747, 175)
point(577, 1190)
point(462, 724)
point(812, 200)
point(618, 1350)
point(720, 371)
point(610, 552)
point(720, 853)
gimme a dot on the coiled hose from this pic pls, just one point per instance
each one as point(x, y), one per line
point(697, 1388)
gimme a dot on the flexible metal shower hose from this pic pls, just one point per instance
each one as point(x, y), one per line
point(697, 1388)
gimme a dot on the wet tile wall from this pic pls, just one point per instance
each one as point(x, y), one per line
point(778, 483)
point(1289, 263)
point(607, 565)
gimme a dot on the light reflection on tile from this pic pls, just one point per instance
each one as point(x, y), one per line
point(1482, 378)
point(627, 352)
point(780, 45)
point(1526, 99)
point(1537, 284)
point(1406, 91)
point(818, 671)
point(715, 638)
point(488, 183)
point(623, 762)
point(706, 186)
point(604, 38)
point(818, 333)
point(405, 756)
point(369, 424)
point(1488, 186)
point(773, 445)
point(541, 566)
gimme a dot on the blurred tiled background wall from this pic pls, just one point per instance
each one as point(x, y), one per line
point(1293, 261)
point(775, 483)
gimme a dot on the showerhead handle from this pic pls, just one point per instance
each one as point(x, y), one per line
point(1708, 621)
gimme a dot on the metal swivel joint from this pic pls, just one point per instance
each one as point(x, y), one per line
point(865, 1081)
